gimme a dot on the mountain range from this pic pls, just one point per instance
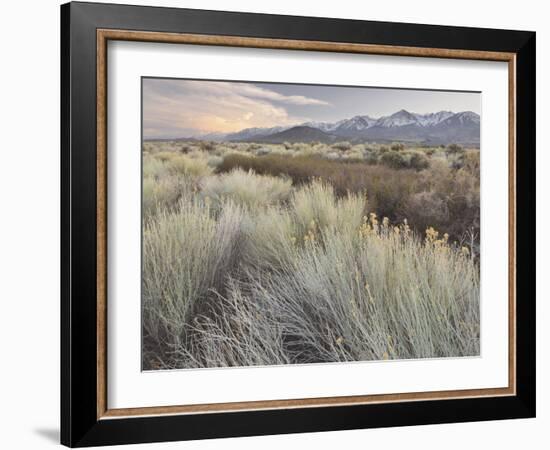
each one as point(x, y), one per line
point(443, 127)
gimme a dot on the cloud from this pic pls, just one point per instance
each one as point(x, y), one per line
point(185, 107)
point(251, 90)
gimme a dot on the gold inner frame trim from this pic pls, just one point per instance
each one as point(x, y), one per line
point(103, 36)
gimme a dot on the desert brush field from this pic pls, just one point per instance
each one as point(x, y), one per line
point(293, 253)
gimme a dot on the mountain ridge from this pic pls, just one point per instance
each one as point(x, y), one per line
point(299, 133)
point(437, 127)
point(441, 127)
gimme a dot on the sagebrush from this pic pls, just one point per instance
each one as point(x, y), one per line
point(282, 254)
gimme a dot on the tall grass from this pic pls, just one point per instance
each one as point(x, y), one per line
point(245, 188)
point(366, 296)
point(315, 205)
point(187, 255)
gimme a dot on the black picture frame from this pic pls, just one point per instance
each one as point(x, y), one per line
point(80, 425)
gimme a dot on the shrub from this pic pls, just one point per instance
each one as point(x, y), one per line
point(353, 156)
point(165, 156)
point(245, 188)
point(418, 161)
point(186, 165)
point(333, 156)
point(164, 194)
point(153, 167)
point(263, 151)
point(185, 255)
point(456, 161)
point(214, 161)
point(305, 150)
point(397, 147)
point(453, 149)
point(371, 158)
point(393, 159)
point(271, 239)
point(207, 146)
point(472, 162)
point(342, 146)
point(316, 208)
point(448, 198)
point(426, 208)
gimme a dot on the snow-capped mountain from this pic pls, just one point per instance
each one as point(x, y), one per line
point(431, 119)
point(464, 118)
point(399, 119)
point(437, 127)
point(403, 118)
point(327, 127)
point(357, 123)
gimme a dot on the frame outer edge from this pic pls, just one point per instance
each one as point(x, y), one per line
point(79, 251)
point(65, 334)
point(526, 225)
point(79, 426)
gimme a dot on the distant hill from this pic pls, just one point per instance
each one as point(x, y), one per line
point(248, 133)
point(297, 134)
point(178, 139)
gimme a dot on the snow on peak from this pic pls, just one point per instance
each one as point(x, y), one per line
point(399, 119)
point(467, 116)
point(360, 123)
point(431, 119)
point(357, 123)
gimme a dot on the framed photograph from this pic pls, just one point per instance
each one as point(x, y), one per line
point(277, 224)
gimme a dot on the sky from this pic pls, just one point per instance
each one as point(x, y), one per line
point(185, 108)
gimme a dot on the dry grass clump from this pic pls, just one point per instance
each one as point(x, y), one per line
point(449, 200)
point(195, 163)
point(186, 165)
point(164, 194)
point(188, 255)
point(162, 188)
point(315, 207)
point(245, 188)
point(153, 167)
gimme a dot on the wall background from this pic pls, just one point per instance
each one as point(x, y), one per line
point(29, 224)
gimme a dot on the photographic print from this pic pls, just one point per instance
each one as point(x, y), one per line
point(294, 224)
